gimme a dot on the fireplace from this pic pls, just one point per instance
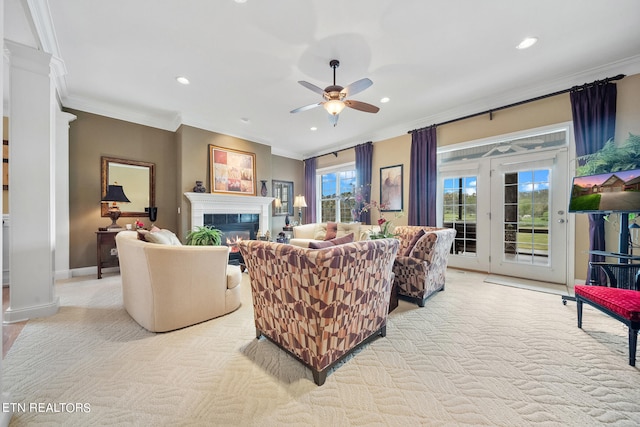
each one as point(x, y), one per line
point(234, 227)
point(231, 214)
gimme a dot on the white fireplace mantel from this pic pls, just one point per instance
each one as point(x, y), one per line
point(207, 203)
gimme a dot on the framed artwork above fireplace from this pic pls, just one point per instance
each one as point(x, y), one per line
point(232, 171)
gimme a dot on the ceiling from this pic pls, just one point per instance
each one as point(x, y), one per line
point(436, 60)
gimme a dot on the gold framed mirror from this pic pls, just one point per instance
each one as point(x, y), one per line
point(138, 181)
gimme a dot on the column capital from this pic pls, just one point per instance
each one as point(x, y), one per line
point(27, 58)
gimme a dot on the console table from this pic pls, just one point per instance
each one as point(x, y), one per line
point(107, 253)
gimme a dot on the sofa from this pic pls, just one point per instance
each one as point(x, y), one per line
point(422, 259)
point(320, 304)
point(316, 232)
point(170, 286)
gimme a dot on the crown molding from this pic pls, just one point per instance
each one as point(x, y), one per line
point(43, 24)
point(162, 120)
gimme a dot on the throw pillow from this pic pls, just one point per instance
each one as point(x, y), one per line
point(163, 237)
point(320, 232)
point(346, 228)
point(413, 242)
point(341, 240)
point(332, 229)
point(321, 244)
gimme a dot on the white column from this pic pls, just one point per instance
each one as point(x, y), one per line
point(5, 417)
point(31, 184)
point(63, 119)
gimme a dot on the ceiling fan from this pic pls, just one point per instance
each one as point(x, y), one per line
point(334, 96)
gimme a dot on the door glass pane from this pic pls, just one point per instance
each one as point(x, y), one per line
point(526, 217)
point(460, 212)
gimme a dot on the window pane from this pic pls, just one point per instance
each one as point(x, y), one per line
point(329, 185)
point(328, 210)
point(347, 182)
point(460, 212)
point(336, 200)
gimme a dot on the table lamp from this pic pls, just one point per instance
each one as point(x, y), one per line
point(115, 194)
point(299, 203)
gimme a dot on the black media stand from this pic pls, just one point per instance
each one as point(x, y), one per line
point(623, 255)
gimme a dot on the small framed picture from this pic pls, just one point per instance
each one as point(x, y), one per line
point(391, 188)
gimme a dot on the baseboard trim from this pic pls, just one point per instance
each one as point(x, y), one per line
point(22, 314)
point(92, 271)
point(62, 274)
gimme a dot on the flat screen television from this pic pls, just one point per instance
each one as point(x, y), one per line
point(606, 192)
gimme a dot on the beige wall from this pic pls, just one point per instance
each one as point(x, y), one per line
point(92, 136)
point(182, 158)
point(285, 169)
point(193, 155)
point(544, 112)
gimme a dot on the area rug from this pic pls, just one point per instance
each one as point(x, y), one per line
point(532, 285)
point(477, 354)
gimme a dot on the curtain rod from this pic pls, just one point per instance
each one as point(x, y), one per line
point(515, 104)
point(335, 152)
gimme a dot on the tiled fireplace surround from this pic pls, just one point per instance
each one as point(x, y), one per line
point(214, 204)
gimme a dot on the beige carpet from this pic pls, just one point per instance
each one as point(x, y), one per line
point(478, 354)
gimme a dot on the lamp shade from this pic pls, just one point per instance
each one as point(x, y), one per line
point(334, 107)
point(299, 202)
point(115, 193)
point(277, 203)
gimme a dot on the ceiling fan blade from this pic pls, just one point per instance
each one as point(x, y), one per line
point(333, 119)
point(312, 87)
point(356, 87)
point(361, 106)
point(307, 107)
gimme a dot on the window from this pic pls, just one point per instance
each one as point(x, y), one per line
point(526, 216)
point(337, 185)
point(460, 212)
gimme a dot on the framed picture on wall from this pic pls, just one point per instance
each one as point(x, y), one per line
point(282, 191)
point(232, 171)
point(391, 188)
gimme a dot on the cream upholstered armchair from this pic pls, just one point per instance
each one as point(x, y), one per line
point(167, 287)
point(422, 261)
point(320, 304)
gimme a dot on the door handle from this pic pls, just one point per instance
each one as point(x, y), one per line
point(561, 221)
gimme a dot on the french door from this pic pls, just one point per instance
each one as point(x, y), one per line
point(509, 211)
point(528, 216)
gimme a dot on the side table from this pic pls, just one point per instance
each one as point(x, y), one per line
point(288, 232)
point(107, 253)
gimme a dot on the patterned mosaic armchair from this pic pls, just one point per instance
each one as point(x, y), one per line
point(422, 261)
point(320, 304)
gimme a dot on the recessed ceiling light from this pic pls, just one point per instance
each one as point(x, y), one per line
point(313, 128)
point(240, 1)
point(244, 120)
point(527, 42)
point(385, 100)
point(182, 80)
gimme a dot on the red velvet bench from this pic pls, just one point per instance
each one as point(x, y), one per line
point(621, 304)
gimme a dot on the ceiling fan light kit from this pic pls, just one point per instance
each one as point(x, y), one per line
point(334, 96)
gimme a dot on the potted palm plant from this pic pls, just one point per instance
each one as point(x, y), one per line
point(203, 236)
point(612, 158)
